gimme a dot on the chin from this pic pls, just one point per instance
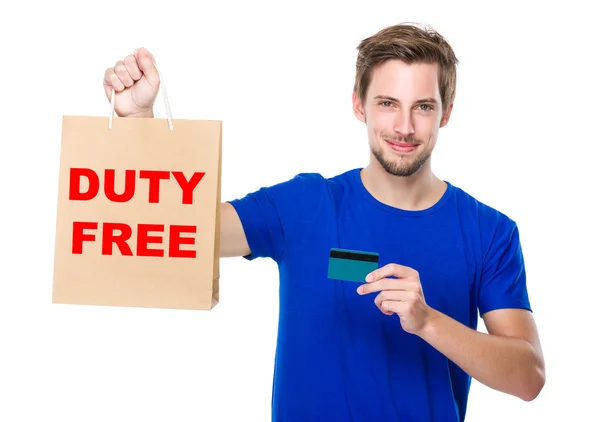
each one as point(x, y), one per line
point(401, 165)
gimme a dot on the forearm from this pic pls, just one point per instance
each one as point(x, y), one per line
point(233, 240)
point(506, 364)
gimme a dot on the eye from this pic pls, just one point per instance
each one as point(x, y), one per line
point(385, 103)
point(425, 107)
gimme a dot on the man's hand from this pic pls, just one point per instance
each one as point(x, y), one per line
point(402, 295)
point(136, 82)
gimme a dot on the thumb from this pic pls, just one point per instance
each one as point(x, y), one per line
point(145, 61)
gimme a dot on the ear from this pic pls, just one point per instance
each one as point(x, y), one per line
point(359, 111)
point(446, 116)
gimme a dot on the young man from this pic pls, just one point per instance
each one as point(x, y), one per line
point(403, 346)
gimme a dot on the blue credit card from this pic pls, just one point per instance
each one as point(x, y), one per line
point(351, 265)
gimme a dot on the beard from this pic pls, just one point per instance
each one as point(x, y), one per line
point(400, 167)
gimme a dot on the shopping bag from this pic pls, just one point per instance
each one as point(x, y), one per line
point(137, 220)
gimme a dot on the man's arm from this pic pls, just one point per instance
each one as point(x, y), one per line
point(508, 359)
point(233, 238)
point(136, 82)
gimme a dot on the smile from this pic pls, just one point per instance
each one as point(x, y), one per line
point(402, 146)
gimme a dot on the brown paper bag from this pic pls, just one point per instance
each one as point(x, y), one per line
point(138, 213)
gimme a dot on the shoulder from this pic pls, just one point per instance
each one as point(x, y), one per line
point(486, 215)
point(493, 229)
point(308, 186)
point(305, 194)
point(501, 276)
point(314, 179)
point(300, 186)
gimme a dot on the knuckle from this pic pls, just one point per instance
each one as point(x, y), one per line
point(116, 82)
point(131, 65)
point(124, 77)
point(119, 73)
point(121, 70)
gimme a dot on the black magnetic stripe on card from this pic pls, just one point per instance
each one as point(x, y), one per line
point(355, 256)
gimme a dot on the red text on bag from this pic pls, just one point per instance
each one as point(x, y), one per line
point(118, 235)
point(154, 179)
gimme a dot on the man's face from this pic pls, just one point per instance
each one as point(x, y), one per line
point(403, 113)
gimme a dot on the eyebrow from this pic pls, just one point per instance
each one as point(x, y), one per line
point(421, 101)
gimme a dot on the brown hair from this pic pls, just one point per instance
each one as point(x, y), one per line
point(411, 44)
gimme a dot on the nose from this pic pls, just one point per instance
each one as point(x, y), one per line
point(403, 123)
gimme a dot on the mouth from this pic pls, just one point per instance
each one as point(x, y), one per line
point(401, 146)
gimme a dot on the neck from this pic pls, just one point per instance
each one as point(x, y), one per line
point(413, 193)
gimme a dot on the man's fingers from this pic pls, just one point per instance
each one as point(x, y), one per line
point(132, 67)
point(395, 295)
point(112, 81)
point(390, 270)
point(145, 61)
point(379, 285)
point(389, 284)
point(390, 307)
point(123, 74)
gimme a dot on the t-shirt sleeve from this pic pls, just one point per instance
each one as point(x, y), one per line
point(503, 281)
point(268, 215)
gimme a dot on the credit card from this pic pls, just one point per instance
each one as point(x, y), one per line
point(351, 265)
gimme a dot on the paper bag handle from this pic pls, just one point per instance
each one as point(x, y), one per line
point(164, 94)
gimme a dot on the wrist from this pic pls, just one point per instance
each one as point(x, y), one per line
point(144, 113)
point(430, 325)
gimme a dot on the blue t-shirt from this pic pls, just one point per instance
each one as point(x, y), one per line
point(338, 357)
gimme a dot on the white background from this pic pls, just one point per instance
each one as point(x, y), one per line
point(522, 138)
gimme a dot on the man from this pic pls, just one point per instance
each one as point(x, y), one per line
point(402, 346)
